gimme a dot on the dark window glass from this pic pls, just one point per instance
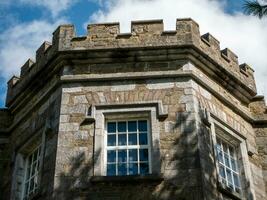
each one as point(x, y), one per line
point(133, 155)
point(112, 127)
point(142, 125)
point(122, 156)
point(121, 126)
point(111, 156)
point(122, 169)
point(132, 139)
point(111, 169)
point(122, 139)
point(143, 138)
point(111, 140)
point(144, 168)
point(133, 168)
point(132, 126)
point(143, 155)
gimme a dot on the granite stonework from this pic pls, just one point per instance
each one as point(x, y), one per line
point(182, 82)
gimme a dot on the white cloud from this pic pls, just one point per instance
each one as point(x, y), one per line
point(54, 6)
point(20, 42)
point(245, 35)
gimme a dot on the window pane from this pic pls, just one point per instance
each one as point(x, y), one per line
point(220, 156)
point(229, 177)
point(132, 139)
point(143, 155)
point(122, 169)
point(236, 180)
point(231, 149)
point(233, 163)
point(144, 168)
point(142, 125)
point(111, 140)
point(143, 138)
point(122, 156)
point(121, 126)
point(122, 139)
point(222, 172)
point(226, 159)
point(133, 155)
point(112, 156)
point(112, 127)
point(133, 168)
point(132, 126)
point(111, 169)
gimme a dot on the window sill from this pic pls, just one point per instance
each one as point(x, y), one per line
point(228, 191)
point(127, 179)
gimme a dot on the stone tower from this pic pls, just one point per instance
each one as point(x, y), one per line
point(150, 114)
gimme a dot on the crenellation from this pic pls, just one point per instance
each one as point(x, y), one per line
point(13, 81)
point(42, 49)
point(62, 37)
point(211, 41)
point(230, 56)
point(153, 27)
point(26, 68)
point(103, 30)
point(147, 33)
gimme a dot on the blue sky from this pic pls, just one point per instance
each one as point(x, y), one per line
point(24, 24)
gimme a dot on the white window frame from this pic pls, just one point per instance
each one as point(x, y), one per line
point(223, 144)
point(153, 111)
point(27, 177)
point(126, 147)
point(239, 141)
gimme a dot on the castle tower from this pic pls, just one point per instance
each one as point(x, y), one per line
point(150, 114)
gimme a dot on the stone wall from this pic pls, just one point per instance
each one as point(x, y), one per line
point(178, 146)
point(37, 119)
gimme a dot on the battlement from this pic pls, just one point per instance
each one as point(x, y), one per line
point(149, 33)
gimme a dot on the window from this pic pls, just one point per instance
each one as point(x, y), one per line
point(128, 148)
point(32, 170)
point(228, 165)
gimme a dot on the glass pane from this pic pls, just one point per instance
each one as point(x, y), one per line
point(220, 156)
point(122, 139)
point(236, 180)
point(133, 168)
point(111, 170)
point(122, 156)
point(231, 149)
point(142, 125)
point(143, 155)
point(233, 163)
point(132, 126)
point(111, 127)
point(144, 168)
point(132, 139)
point(143, 138)
point(225, 148)
point(133, 155)
point(222, 172)
point(229, 177)
point(121, 126)
point(111, 140)
point(111, 156)
point(226, 159)
point(122, 169)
